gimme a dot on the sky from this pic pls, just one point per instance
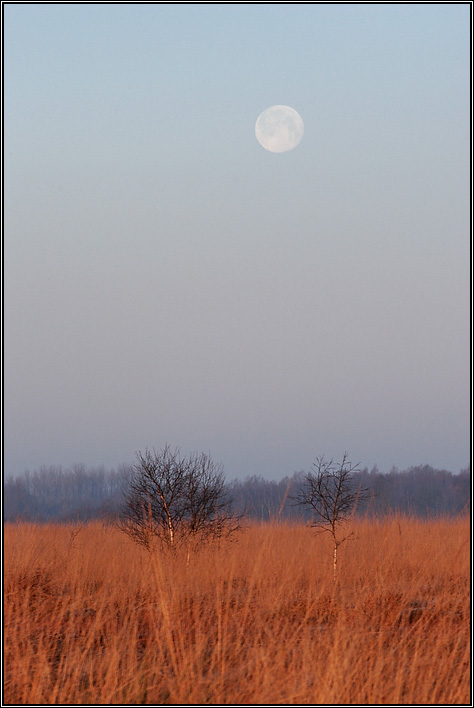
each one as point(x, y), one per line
point(168, 280)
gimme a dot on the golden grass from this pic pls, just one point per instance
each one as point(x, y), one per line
point(89, 617)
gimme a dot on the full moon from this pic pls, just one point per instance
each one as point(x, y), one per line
point(279, 128)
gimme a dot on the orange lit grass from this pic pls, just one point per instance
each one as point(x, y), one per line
point(89, 617)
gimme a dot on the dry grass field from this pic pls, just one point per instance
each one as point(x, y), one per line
point(89, 617)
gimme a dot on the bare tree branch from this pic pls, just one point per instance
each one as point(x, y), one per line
point(176, 500)
point(329, 492)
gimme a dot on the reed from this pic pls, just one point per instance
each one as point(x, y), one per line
point(90, 617)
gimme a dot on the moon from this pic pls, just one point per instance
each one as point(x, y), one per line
point(279, 128)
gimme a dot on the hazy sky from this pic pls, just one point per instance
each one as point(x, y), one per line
point(169, 280)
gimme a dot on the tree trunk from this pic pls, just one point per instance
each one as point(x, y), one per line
point(170, 531)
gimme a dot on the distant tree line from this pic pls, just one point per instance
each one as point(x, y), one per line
point(81, 493)
point(57, 494)
point(419, 491)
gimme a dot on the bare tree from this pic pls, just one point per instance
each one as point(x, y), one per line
point(176, 500)
point(330, 493)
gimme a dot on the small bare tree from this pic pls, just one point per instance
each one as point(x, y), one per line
point(176, 500)
point(330, 493)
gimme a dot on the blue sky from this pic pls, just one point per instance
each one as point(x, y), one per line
point(169, 280)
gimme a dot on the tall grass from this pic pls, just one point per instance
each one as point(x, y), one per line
point(89, 617)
